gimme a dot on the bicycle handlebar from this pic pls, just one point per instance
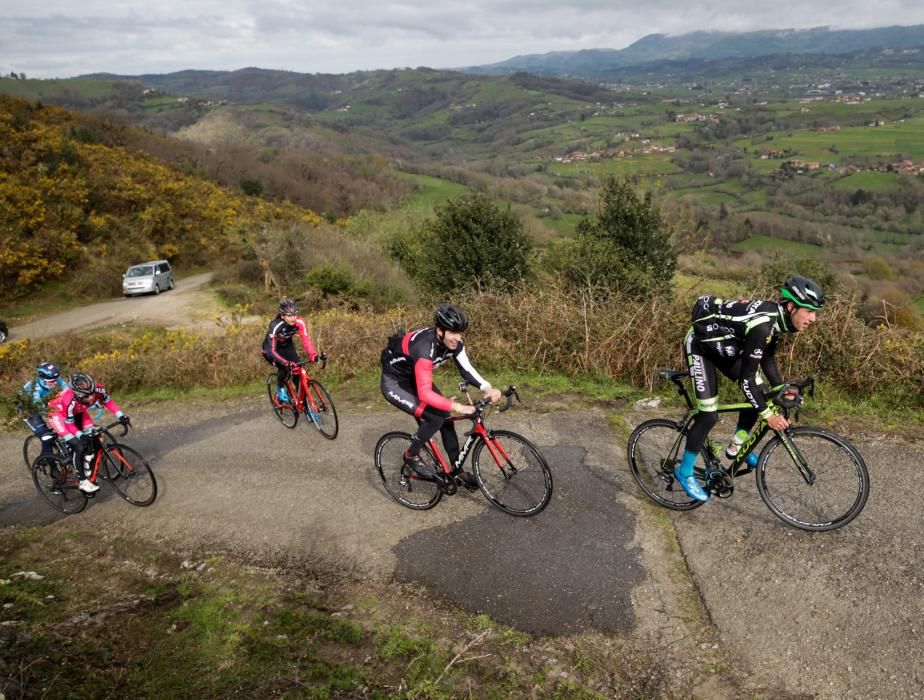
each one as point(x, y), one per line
point(95, 430)
point(322, 358)
point(481, 404)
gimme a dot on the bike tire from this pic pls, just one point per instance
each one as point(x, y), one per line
point(323, 415)
point(286, 413)
point(516, 478)
point(401, 483)
point(840, 486)
point(57, 482)
point(129, 474)
point(32, 448)
point(655, 448)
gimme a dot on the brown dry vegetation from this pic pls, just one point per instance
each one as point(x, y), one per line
point(547, 331)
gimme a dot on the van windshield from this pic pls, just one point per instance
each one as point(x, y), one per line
point(143, 271)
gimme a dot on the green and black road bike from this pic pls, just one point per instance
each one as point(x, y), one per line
point(809, 477)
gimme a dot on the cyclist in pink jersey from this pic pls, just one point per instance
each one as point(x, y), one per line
point(68, 416)
point(279, 348)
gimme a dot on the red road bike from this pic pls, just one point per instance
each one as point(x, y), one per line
point(306, 396)
point(511, 472)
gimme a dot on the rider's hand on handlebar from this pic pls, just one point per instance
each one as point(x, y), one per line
point(777, 422)
point(494, 395)
point(462, 409)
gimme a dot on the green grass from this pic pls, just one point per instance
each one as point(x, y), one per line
point(768, 244)
point(432, 190)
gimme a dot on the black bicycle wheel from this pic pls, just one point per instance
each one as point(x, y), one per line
point(322, 414)
point(57, 482)
point(515, 476)
point(828, 491)
point(286, 414)
point(129, 474)
point(401, 482)
point(32, 448)
point(655, 449)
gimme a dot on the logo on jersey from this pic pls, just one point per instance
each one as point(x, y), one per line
point(757, 354)
point(402, 401)
point(752, 307)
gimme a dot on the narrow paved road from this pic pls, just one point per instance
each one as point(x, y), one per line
point(828, 614)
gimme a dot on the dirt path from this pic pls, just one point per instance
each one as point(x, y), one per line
point(187, 305)
point(828, 615)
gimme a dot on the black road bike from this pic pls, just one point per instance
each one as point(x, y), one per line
point(809, 477)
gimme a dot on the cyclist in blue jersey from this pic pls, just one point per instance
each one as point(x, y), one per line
point(33, 402)
point(407, 383)
point(739, 338)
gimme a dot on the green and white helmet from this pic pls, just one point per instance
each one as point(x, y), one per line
point(803, 292)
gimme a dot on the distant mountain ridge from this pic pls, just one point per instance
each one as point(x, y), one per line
point(708, 46)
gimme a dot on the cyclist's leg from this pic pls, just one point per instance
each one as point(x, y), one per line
point(403, 396)
point(746, 418)
point(45, 435)
point(704, 379)
point(282, 370)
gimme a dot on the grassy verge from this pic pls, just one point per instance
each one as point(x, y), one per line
point(144, 622)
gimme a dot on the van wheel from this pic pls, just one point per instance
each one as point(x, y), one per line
point(157, 289)
point(170, 284)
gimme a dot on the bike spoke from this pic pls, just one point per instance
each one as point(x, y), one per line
point(512, 473)
point(827, 493)
point(55, 480)
point(285, 412)
point(319, 409)
point(654, 451)
point(130, 475)
point(401, 483)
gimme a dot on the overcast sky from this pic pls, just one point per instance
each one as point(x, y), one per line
point(64, 38)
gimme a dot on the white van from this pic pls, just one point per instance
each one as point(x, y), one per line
point(147, 278)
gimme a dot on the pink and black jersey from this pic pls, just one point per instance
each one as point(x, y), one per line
point(278, 344)
point(414, 356)
point(68, 416)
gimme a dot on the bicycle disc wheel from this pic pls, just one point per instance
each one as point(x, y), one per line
point(655, 449)
point(322, 414)
point(401, 482)
point(57, 482)
point(827, 493)
point(129, 474)
point(514, 476)
point(286, 414)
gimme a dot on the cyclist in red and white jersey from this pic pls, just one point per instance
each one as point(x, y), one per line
point(278, 347)
point(407, 383)
point(69, 417)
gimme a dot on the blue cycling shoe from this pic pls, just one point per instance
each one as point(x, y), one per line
point(282, 396)
point(691, 486)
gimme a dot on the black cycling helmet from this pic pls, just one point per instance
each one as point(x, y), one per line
point(82, 384)
point(803, 292)
point(450, 317)
point(288, 306)
point(48, 371)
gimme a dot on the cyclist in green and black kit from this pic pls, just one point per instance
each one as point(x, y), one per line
point(739, 338)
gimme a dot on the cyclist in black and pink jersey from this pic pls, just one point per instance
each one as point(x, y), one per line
point(68, 416)
point(739, 338)
point(407, 383)
point(278, 348)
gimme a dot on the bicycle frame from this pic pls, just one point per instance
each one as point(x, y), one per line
point(471, 438)
point(754, 438)
point(299, 396)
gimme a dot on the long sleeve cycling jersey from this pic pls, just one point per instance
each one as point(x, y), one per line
point(745, 330)
point(280, 334)
point(65, 411)
point(416, 356)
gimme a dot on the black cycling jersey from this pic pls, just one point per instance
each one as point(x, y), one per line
point(745, 331)
point(404, 351)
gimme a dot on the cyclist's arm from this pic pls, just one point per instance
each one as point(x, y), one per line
point(306, 339)
point(110, 404)
point(423, 376)
point(468, 371)
point(272, 336)
point(758, 345)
